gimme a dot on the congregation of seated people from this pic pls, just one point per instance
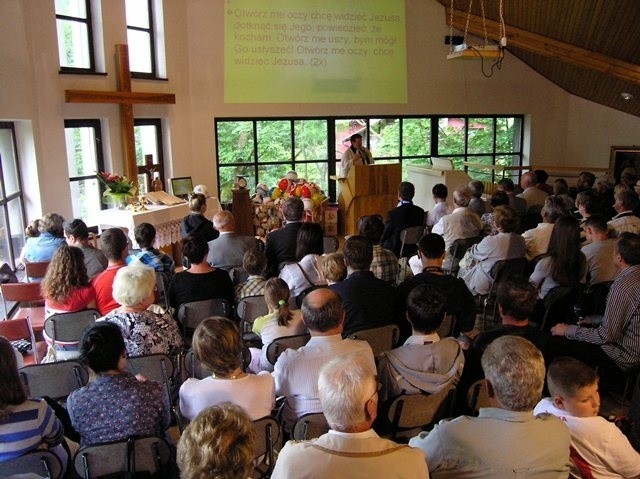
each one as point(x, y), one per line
point(565, 322)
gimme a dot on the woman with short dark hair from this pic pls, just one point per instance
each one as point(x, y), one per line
point(116, 404)
point(201, 281)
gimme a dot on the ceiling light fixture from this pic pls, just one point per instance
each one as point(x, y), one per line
point(626, 96)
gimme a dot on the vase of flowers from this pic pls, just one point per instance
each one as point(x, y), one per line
point(119, 189)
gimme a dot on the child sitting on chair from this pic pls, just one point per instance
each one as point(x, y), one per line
point(332, 267)
point(280, 322)
point(598, 447)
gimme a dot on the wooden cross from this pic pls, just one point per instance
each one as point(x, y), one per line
point(125, 98)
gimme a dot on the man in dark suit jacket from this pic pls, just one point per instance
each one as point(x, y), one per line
point(228, 249)
point(405, 215)
point(369, 302)
point(281, 244)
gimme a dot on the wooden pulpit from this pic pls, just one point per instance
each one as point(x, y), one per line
point(367, 190)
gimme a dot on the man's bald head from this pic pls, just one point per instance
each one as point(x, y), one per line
point(224, 221)
point(322, 310)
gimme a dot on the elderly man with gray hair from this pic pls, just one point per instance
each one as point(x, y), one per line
point(506, 439)
point(349, 399)
point(460, 224)
point(228, 249)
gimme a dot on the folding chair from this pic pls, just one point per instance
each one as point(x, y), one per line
point(558, 304)
point(56, 380)
point(458, 250)
point(160, 368)
point(237, 274)
point(275, 349)
point(191, 314)
point(42, 463)
point(409, 237)
point(28, 297)
point(134, 455)
point(409, 412)
point(500, 271)
point(248, 309)
point(477, 396)
point(156, 367)
point(595, 298)
point(309, 426)
point(162, 284)
point(195, 369)
point(447, 326)
point(20, 329)
point(330, 244)
point(68, 327)
point(268, 442)
point(36, 270)
point(381, 339)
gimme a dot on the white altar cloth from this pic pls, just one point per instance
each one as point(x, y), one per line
point(166, 219)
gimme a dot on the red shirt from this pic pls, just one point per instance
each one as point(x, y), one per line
point(103, 287)
point(77, 301)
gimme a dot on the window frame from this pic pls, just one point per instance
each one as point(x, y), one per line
point(157, 123)
point(366, 133)
point(88, 21)
point(96, 124)
point(255, 164)
point(15, 196)
point(153, 75)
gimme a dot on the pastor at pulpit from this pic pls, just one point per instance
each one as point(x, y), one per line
point(356, 154)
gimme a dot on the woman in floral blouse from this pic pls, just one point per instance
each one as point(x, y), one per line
point(144, 331)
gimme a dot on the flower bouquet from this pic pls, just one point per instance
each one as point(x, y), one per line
point(119, 189)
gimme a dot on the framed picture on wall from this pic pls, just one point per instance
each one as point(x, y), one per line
point(624, 157)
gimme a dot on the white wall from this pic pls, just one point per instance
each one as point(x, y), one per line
point(564, 129)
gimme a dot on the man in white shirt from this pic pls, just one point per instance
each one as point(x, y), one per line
point(356, 154)
point(534, 196)
point(351, 448)
point(600, 251)
point(296, 371)
point(625, 220)
point(461, 223)
point(537, 239)
point(440, 193)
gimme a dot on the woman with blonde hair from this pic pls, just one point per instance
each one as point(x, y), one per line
point(217, 344)
point(25, 424)
point(196, 223)
point(281, 321)
point(144, 331)
point(218, 444)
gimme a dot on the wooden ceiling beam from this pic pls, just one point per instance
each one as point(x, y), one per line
point(548, 47)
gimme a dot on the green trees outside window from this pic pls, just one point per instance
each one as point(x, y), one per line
point(264, 149)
